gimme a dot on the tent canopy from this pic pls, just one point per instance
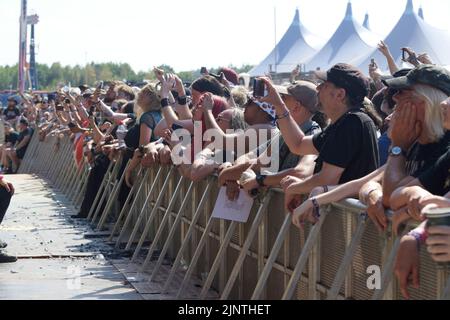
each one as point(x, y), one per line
point(414, 32)
point(295, 47)
point(351, 43)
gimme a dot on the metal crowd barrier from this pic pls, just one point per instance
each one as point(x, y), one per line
point(166, 224)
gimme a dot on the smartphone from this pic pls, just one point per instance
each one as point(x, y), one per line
point(372, 62)
point(259, 88)
point(59, 107)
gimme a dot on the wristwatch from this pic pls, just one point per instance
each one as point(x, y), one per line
point(260, 179)
point(397, 151)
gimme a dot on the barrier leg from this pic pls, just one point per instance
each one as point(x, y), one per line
point(160, 228)
point(297, 273)
point(216, 264)
point(243, 254)
point(126, 205)
point(348, 257)
point(189, 233)
point(387, 274)
point(111, 179)
point(144, 207)
point(171, 234)
point(99, 192)
point(272, 257)
point(112, 199)
point(129, 216)
point(196, 256)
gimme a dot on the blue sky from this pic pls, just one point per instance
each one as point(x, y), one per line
point(185, 34)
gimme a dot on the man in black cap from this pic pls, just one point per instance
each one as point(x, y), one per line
point(11, 112)
point(347, 149)
point(18, 153)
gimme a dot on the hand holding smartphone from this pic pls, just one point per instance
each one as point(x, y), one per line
point(259, 88)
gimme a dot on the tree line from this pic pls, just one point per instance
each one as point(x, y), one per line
point(49, 77)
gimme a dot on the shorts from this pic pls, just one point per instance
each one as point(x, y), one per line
point(21, 153)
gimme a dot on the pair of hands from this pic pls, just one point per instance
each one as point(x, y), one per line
point(154, 156)
point(233, 188)
point(169, 82)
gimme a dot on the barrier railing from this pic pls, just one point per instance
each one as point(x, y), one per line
point(341, 257)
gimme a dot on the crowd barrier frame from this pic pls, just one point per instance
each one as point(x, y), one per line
point(266, 258)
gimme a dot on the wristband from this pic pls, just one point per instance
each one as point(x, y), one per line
point(325, 189)
point(283, 116)
point(164, 103)
point(366, 198)
point(260, 180)
point(182, 100)
point(419, 236)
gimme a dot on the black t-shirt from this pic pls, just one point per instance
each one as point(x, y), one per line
point(350, 143)
point(422, 157)
point(12, 138)
point(436, 179)
point(27, 132)
point(149, 119)
point(11, 114)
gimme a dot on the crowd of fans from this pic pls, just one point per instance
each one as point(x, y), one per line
point(383, 139)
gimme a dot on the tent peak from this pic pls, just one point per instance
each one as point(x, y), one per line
point(366, 22)
point(421, 13)
point(349, 12)
point(409, 7)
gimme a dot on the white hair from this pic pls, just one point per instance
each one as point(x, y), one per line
point(433, 114)
point(75, 91)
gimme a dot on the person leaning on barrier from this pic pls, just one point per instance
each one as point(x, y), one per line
point(180, 116)
point(409, 202)
point(347, 149)
point(17, 153)
point(417, 132)
point(205, 162)
point(302, 102)
point(435, 180)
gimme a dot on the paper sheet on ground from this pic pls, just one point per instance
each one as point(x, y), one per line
point(238, 211)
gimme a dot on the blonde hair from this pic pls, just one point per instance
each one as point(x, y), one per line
point(433, 114)
point(153, 94)
point(239, 96)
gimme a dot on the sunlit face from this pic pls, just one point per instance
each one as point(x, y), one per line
point(224, 119)
point(327, 95)
point(196, 95)
point(143, 100)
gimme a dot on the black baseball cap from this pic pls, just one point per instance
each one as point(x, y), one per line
point(11, 98)
point(347, 77)
point(431, 75)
